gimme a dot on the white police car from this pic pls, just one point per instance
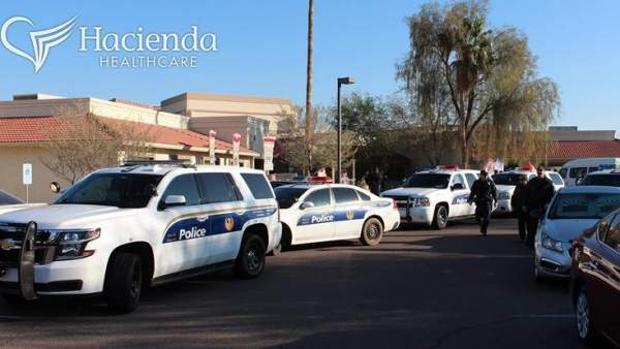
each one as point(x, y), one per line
point(120, 229)
point(435, 196)
point(506, 183)
point(327, 212)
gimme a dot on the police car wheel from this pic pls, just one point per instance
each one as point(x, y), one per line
point(251, 260)
point(123, 285)
point(440, 219)
point(372, 232)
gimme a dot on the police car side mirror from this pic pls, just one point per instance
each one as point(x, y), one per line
point(55, 187)
point(175, 200)
point(306, 205)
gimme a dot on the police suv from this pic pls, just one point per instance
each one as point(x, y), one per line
point(506, 183)
point(120, 229)
point(327, 212)
point(435, 196)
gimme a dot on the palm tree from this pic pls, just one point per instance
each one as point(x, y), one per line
point(309, 115)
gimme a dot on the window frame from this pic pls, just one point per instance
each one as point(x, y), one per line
point(333, 190)
point(161, 205)
point(615, 220)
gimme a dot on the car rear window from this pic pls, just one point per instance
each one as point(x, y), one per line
point(258, 185)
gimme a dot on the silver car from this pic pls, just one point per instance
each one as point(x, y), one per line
point(572, 210)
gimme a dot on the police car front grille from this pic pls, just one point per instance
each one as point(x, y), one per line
point(15, 233)
point(401, 201)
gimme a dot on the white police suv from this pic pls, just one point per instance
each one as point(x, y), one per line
point(506, 183)
point(433, 197)
point(120, 229)
point(327, 212)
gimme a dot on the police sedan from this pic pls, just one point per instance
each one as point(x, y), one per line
point(328, 212)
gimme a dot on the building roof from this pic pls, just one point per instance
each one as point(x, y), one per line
point(38, 129)
point(569, 150)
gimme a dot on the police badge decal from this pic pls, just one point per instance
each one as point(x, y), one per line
point(350, 215)
point(229, 223)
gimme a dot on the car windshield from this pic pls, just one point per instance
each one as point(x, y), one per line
point(604, 180)
point(7, 199)
point(286, 197)
point(123, 190)
point(584, 205)
point(507, 178)
point(428, 180)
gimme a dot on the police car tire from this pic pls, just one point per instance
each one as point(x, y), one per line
point(366, 239)
point(251, 259)
point(438, 223)
point(123, 284)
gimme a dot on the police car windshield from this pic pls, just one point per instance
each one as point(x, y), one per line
point(428, 180)
point(584, 205)
point(603, 179)
point(507, 178)
point(286, 197)
point(112, 189)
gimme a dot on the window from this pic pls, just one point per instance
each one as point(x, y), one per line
point(320, 198)
point(258, 185)
point(218, 187)
point(428, 180)
point(471, 178)
point(583, 205)
point(458, 179)
point(556, 179)
point(344, 195)
point(287, 196)
point(184, 185)
point(112, 189)
point(8, 199)
point(363, 196)
point(577, 172)
point(563, 172)
point(609, 180)
point(612, 238)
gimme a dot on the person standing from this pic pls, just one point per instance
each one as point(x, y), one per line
point(538, 193)
point(518, 206)
point(484, 194)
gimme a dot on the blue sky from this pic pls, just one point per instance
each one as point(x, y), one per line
point(261, 49)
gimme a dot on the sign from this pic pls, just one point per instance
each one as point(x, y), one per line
point(236, 140)
point(27, 174)
point(212, 135)
point(268, 144)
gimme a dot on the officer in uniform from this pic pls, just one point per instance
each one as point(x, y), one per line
point(538, 193)
point(518, 205)
point(484, 194)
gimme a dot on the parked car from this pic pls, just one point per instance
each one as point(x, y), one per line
point(570, 213)
point(595, 282)
point(574, 170)
point(9, 203)
point(120, 229)
point(328, 212)
point(434, 197)
point(605, 177)
point(506, 182)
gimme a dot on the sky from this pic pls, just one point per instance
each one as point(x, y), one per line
point(261, 49)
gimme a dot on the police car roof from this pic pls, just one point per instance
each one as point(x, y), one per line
point(162, 169)
point(609, 172)
point(310, 185)
point(589, 189)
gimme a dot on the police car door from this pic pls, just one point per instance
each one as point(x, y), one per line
point(470, 178)
point(348, 213)
point(225, 211)
point(316, 219)
point(460, 194)
point(184, 243)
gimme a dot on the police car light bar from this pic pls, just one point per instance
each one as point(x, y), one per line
point(448, 167)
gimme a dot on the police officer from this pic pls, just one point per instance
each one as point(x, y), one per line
point(538, 193)
point(518, 205)
point(483, 193)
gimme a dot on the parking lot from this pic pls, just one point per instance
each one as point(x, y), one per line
point(418, 289)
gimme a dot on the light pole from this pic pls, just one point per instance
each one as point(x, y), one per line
point(347, 80)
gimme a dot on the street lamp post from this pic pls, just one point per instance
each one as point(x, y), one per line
point(341, 81)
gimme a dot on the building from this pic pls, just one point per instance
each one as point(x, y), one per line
point(251, 117)
point(569, 143)
point(27, 121)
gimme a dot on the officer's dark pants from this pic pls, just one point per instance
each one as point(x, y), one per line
point(522, 219)
point(532, 225)
point(483, 215)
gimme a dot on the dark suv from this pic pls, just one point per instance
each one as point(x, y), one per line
point(596, 280)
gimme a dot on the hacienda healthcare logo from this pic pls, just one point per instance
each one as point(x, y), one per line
point(133, 50)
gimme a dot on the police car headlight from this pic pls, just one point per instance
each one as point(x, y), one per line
point(72, 244)
point(551, 244)
point(422, 202)
point(503, 195)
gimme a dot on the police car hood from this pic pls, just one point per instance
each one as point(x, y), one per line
point(62, 214)
point(11, 208)
point(411, 192)
point(566, 230)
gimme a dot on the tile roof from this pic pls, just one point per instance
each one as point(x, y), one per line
point(568, 150)
point(38, 129)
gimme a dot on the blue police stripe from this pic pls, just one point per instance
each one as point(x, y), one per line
point(332, 216)
point(213, 225)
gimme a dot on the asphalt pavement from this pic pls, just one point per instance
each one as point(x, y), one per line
point(419, 289)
